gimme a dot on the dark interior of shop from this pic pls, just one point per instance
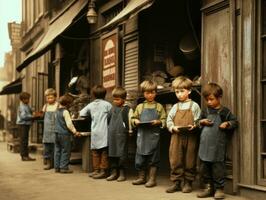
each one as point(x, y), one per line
point(169, 34)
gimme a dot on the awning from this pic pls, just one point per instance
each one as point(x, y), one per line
point(133, 7)
point(13, 87)
point(54, 30)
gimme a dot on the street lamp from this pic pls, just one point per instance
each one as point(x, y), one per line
point(91, 14)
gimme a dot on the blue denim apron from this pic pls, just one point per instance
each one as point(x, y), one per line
point(212, 140)
point(148, 136)
point(117, 134)
point(49, 127)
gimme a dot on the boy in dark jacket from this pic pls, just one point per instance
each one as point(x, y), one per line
point(216, 121)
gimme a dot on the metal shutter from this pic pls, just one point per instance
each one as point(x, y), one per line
point(131, 65)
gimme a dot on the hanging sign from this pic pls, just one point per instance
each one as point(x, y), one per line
point(109, 62)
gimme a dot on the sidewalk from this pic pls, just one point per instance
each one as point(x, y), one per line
point(28, 181)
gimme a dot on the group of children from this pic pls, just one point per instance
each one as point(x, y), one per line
point(57, 130)
point(194, 133)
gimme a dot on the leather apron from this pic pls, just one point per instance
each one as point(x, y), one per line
point(183, 147)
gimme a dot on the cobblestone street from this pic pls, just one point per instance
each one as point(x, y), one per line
point(28, 181)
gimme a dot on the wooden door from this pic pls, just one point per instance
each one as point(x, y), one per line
point(217, 60)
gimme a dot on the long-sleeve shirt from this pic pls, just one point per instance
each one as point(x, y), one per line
point(69, 122)
point(24, 114)
point(154, 104)
point(182, 106)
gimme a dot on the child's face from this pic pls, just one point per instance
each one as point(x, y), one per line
point(150, 95)
point(25, 101)
point(212, 101)
point(118, 101)
point(50, 99)
point(182, 94)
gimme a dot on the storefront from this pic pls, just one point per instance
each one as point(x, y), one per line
point(156, 40)
point(209, 40)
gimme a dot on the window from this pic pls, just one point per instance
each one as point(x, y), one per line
point(38, 5)
point(111, 13)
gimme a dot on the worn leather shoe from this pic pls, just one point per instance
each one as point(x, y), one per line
point(122, 176)
point(100, 175)
point(219, 194)
point(207, 192)
point(91, 174)
point(113, 175)
point(187, 188)
point(141, 178)
point(27, 158)
point(174, 188)
point(66, 171)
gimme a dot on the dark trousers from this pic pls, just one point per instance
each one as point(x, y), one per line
point(62, 151)
point(117, 162)
point(24, 140)
point(48, 150)
point(213, 173)
point(100, 158)
point(142, 162)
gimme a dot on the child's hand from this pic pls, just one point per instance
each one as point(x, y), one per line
point(175, 129)
point(206, 122)
point(191, 127)
point(156, 122)
point(137, 122)
point(77, 134)
point(224, 125)
point(130, 133)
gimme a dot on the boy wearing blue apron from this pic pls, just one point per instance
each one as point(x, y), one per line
point(118, 133)
point(48, 140)
point(64, 128)
point(216, 121)
point(149, 117)
point(184, 143)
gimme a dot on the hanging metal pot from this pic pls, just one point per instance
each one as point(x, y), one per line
point(189, 47)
